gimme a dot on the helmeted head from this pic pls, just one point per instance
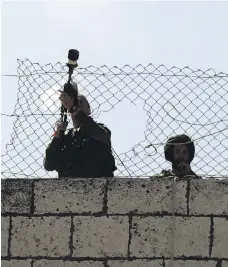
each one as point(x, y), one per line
point(179, 147)
point(83, 103)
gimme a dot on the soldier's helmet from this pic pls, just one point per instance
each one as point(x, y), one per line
point(182, 139)
point(85, 103)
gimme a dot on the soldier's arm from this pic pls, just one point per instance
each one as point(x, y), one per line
point(52, 160)
point(93, 129)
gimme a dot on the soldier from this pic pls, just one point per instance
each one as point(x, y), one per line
point(180, 151)
point(85, 150)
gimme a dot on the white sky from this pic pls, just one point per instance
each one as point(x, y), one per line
point(193, 34)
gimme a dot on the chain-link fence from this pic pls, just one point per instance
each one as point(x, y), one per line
point(173, 101)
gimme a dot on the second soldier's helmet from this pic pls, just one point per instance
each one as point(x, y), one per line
point(179, 139)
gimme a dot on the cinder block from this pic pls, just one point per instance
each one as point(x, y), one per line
point(40, 236)
point(16, 195)
point(69, 195)
point(15, 263)
point(208, 197)
point(152, 236)
point(192, 236)
point(191, 263)
point(135, 263)
point(4, 235)
point(60, 263)
point(146, 196)
point(100, 236)
point(220, 242)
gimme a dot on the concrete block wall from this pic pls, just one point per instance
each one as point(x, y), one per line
point(114, 222)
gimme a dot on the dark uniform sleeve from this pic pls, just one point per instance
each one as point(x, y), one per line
point(93, 129)
point(53, 159)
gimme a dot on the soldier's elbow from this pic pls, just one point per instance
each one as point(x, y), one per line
point(48, 167)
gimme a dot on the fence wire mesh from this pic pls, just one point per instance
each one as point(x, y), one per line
point(173, 100)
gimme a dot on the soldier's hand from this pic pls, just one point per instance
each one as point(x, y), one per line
point(184, 167)
point(60, 126)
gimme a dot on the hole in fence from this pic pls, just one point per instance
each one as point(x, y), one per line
point(127, 123)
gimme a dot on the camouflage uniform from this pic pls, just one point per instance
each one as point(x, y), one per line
point(168, 173)
point(79, 153)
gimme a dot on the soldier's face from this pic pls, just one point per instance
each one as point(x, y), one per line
point(180, 153)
